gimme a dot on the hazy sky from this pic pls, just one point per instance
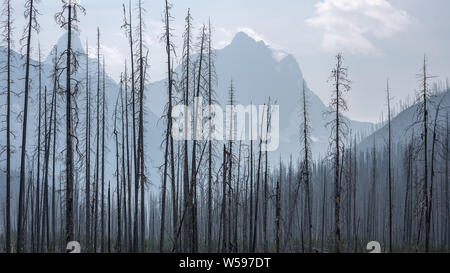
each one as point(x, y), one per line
point(379, 38)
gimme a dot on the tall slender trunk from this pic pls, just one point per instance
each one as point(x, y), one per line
point(109, 217)
point(194, 153)
point(54, 157)
point(169, 141)
point(97, 153)
point(102, 205)
point(8, 132)
point(307, 167)
point(186, 187)
point(134, 244)
point(20, 218)
point(278, 210)
point(258, 174)
point(38, 170)
point(119, 225)
point(390, 166)
point(124, 175)
point(69, 134)
point(141, 160)
point(88, 156)
point(323, 207)
point(224, 200)
point(425, 153)
point(46, 168)
point(337, 190)
point(209, 228)
point(128, 212)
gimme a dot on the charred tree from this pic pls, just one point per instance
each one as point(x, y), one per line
point(341, 84)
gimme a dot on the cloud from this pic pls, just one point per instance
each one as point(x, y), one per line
point(225, 36)
point(348, 24)
point(252, 34)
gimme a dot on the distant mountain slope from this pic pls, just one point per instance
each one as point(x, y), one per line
point(258, 72)
point(152, 148)
point(401, 128)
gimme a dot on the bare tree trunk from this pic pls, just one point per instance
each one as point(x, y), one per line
point(209, 228)
point(54, 156)
point(124, 170)
point(20, 218)
point(134, 245)
point(251, 184)
point(88, 155)
point(97, 153)
point(169, 138)
point(102, 198)
point(341, 84)
point(141, 128)
point(69, 134)
point(306, 172)
point(390, 166)
point(109, 217)
point(433, 150)
point(236, 204)
point(224, 198)
point(8, 131)
point(258, 174)
point(447, 192)
point(425, 152)
point(119, 225)
point(46, 168)
point(38, 177)
point(323, 206)
point(194, 153)
point(278, 210)
point(187, 214)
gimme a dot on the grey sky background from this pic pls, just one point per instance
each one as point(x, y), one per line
point(379, 38)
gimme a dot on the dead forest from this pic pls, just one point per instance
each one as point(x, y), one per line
point(85, 175)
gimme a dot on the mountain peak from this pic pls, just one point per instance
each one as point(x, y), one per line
point(76, 43)
point(241, 38)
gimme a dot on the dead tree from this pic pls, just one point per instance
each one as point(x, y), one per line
point(31, 15)
point(447, 192)
point(38, 170)
point(102, 198)
point(236, 201)
point(224, 201)
point(278, 209)
point(109, 217)
point(128, 26)
point(211, 81)
point(141, 158)
point(97, 153)
point(341, 84)
point(306, 172)
point(186, 63)
point(258, 175)
point(116, 132)
point(169, 139)
point(124, 170)
point(390, 165)
point(422, 118)
point(193, 194)
point(433, 157)
point(7, 36)
point(88, 155)
point(127, 205)
point(69, 23)
point(55, 88)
